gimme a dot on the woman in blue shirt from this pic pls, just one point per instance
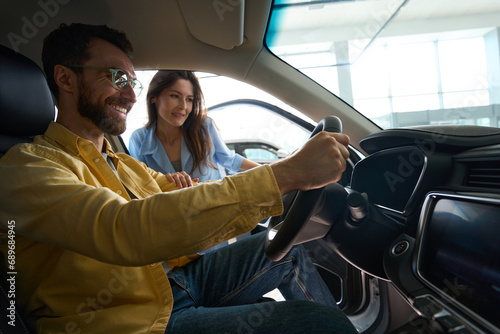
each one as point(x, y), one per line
point(179, 137)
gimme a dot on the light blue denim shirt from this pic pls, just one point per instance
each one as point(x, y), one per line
point(145, 146)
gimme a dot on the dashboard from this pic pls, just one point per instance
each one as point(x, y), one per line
point(434, 192)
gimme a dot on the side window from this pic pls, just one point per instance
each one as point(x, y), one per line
point(231, 147)
point(259, 154)
point(248, 122)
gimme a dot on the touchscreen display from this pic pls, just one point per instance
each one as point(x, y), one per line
point(460, 254)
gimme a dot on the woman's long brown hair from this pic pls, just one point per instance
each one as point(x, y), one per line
point(195, 134)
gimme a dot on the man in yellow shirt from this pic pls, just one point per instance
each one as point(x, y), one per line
point(104, 244)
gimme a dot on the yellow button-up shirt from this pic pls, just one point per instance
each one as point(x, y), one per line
point(87, 257)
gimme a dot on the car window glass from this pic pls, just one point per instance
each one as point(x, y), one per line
point(244, 122)
point(231, 148)
point(259, 154)
point(398, 62)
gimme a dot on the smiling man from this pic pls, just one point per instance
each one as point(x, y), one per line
point(104, 245)
point(92, 109)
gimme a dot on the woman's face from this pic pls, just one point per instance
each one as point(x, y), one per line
point(174, 103)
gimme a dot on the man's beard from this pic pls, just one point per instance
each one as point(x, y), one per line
point(99, 114)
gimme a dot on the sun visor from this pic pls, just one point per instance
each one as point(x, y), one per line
point(218, 23)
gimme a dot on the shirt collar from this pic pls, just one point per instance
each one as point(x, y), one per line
point(64, 137)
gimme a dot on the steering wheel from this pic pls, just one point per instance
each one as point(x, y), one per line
point(283, 230)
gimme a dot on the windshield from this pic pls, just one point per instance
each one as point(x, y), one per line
point(398, 62)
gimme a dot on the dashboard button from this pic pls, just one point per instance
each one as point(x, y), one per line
point(400, 247)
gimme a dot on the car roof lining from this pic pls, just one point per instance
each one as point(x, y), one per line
point(216, 23)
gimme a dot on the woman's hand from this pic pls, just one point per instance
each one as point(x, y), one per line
point(182, 179)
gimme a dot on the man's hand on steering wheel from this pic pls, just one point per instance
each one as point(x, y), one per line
point(303, 176)
point(321, 161)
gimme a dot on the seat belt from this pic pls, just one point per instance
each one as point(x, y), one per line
point(112, 165)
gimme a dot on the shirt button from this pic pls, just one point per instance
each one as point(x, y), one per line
point(165, 301)
point(96, 160)
point(119, 192)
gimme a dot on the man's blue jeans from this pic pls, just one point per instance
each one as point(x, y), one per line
point(216, 294)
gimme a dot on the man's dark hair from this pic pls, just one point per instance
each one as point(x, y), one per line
point(69, 44)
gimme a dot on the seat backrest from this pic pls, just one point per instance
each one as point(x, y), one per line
point(26, 104)
point(26, 109)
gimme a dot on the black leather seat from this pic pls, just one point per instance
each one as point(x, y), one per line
point(26, 104)
point(26, 109)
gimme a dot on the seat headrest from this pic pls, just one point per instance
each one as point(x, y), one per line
point(26, 104)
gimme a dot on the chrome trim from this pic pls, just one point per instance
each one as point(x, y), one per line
point(419, 181)
point(387, 209)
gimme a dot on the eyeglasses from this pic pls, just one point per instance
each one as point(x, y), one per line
point(119, 78)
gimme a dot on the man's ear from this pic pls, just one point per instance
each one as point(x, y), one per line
point(65, 78)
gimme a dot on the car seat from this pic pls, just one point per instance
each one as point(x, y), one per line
point(26, 109)
point(26, 104)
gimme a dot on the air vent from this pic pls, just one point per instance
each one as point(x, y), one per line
point(484, 174)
